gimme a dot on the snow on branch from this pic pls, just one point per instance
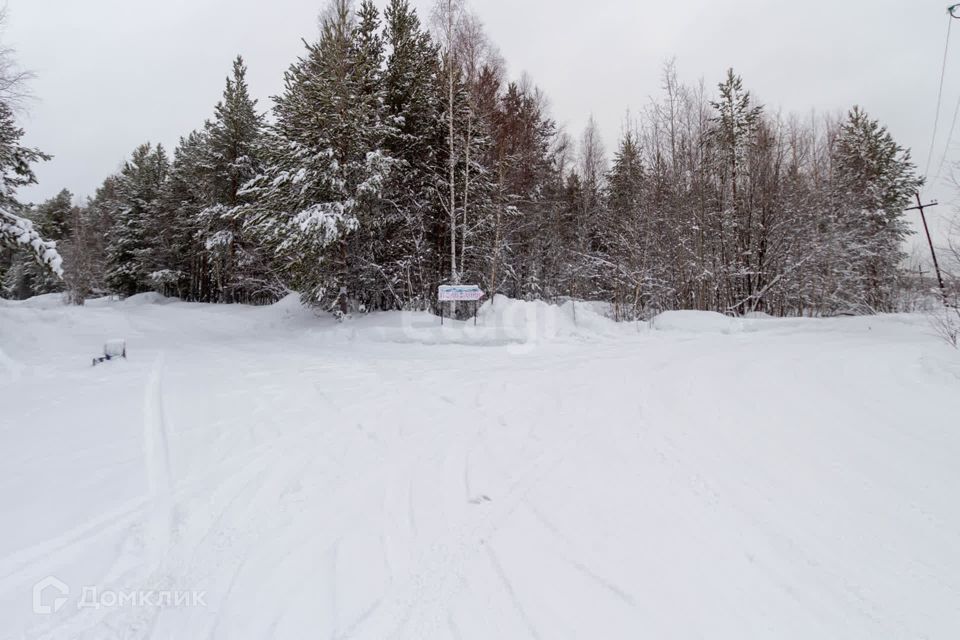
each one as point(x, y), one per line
point(18, 233)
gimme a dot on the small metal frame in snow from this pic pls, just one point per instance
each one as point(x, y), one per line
point(112, 349)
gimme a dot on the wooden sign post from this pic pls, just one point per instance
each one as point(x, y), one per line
point(460, 293)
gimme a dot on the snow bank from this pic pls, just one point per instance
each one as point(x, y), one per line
point(696, 322)
point(500, 321)
point(45, 301)
point(103, 301)
point(10, 369)
point(150, 297)
point(536, 321)
point(290, 311)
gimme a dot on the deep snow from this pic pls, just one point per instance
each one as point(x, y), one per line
point(546, 474)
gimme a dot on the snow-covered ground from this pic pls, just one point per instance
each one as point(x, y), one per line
point(263, 473)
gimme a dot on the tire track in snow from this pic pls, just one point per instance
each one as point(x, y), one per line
point(508, 587)
point(14, 566)
point(159, 498)
point(581, 567)
point(157, 518)
point(156, 446)
point(428, 580)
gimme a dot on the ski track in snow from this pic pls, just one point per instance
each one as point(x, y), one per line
point(793, 480)
point(159, 474)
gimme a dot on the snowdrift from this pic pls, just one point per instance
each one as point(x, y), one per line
point(501, 321)
point(45, 301)
point(150, 297)
point(696, 322)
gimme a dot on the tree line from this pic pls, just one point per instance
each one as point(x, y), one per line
point(399, 157)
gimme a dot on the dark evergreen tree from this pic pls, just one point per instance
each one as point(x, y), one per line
point(325, 160)
point(874, 180)
point(233, 145)
point(732, 137)
point(414, 104)
point(184, 267)
point(137, 239)
point(18, 236)
point(27, 276)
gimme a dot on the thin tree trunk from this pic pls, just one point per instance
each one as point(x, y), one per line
point(454, 278)
point(466, 189)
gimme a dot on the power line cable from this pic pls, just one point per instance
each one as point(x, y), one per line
point(954, 11)
point(943, 75)
point(946, 149)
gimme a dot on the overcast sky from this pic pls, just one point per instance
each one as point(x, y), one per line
point(114, 73)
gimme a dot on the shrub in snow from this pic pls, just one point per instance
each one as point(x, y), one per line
point(947, 325)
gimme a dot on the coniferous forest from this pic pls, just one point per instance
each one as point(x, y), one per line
point(401, 156)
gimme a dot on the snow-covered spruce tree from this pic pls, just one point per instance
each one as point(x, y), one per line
point(95, 223)
point(371, 276)
point(442, 238)
point(18, 233)
point(27, 276)
point(53, 216)
point(325, 164)
point(412, 215)
point(732, 136)
point(526, 183)
point(15, 159)
point(626, 235)
point(234, 148)
point(873, 181)
point(136, 238)
point(182, 266)
point(207, 255)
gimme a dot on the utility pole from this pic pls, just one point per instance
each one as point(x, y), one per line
point(933, 253)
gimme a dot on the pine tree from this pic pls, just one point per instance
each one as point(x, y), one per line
point(735, 125)
point(874, 180)
point(20, 278)
point(27, 276)
point(98, 220)
point(18, 233)
point(233, 145)
point(325, 160)
point(53, 216)
point(413, 101)
point(15, 160)
point(183, 268)
point(527, 183)
point(136, 238)
point(628, 232)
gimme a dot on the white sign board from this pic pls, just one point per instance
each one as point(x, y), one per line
point(459, 292)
